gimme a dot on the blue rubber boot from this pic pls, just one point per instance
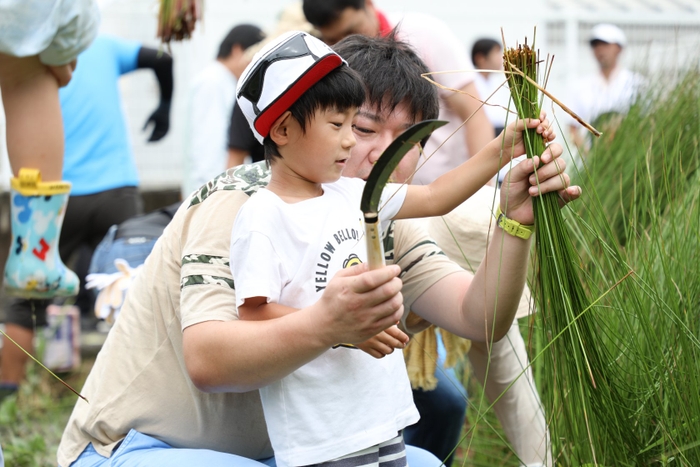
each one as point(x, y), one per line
point(34, 268)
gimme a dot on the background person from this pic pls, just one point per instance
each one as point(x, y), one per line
point(99, 162)
point(441, 50)
point(487, 54)
point(39, 44)
point(212, 96)
point(611, 90)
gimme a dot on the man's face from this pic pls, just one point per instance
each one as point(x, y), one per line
point(351, 21)
point(606, 54)
point(374, 132)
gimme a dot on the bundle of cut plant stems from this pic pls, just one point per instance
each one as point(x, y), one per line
point(584, 403)
point(176, 19)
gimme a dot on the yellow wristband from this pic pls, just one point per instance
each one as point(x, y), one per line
point(512, 227)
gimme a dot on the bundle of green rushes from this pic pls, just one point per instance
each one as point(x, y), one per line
point(583, 402)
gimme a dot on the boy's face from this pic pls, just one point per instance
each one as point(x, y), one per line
point(375, 131)
point(322, 151)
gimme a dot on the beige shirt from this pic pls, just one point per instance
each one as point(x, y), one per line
point(464, 235)
point(139, 380)
point(442, 51)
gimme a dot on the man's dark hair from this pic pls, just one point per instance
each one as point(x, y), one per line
point(321, 13)
point(244, 35)
point(483, 47)
point(391, 71)
point(339, 90)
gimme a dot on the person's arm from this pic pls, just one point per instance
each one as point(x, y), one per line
point(258, 309)
point(477, 130)
point(454, 187)
point(162, 65)
point(240, 356)
point(482, 307)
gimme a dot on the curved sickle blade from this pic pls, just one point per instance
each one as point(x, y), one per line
point(390, 158)
point(377, 179)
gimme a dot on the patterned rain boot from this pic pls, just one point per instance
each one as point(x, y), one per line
point(34, 268)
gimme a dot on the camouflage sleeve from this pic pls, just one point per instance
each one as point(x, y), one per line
point(422, 264)
point(207, 290)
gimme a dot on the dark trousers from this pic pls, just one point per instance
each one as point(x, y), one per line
point(87, 220)
point(442, 413)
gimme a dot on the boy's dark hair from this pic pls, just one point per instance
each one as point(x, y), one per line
point(321, 13)
point(340, 90)
point(244, 35)
point(483, 47)
point(391, 71)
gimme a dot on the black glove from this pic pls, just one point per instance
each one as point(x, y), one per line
point(161, 122)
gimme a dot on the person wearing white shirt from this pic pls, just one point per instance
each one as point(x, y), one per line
point(212, 96)
point(490, 81)
point(609, 91)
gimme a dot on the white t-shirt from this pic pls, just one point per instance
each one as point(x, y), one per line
point(56, 30)
point(594, 95)
point(212, 95)
point(441, 50)
point(497, 111)
point(344, 400)
point(496, 106)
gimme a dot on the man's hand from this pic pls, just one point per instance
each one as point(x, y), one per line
point(385, 342)
point(358, 304)
point(161, 122)
point(521, 184)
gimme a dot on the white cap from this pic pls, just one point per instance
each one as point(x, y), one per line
point(279, 74)
point(608, 33)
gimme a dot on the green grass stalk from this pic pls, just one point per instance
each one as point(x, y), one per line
point(583, 403)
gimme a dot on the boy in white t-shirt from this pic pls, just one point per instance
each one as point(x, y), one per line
point(290, 238)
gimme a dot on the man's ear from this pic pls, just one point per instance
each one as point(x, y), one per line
point(280, 130)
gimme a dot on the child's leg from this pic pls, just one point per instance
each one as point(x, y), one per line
point(33, 115)
point(35, 146)
point(13, 360)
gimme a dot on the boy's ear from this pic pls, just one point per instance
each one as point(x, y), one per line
point(280, 130)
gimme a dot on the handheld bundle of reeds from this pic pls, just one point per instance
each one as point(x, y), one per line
point(582, 402)
point(176, 19)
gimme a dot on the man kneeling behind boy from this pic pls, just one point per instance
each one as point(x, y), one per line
point(178, 342)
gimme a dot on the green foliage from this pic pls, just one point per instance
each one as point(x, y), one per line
point(582, 400)
point(32, 421)
point(638, 232)
point(650, 155)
